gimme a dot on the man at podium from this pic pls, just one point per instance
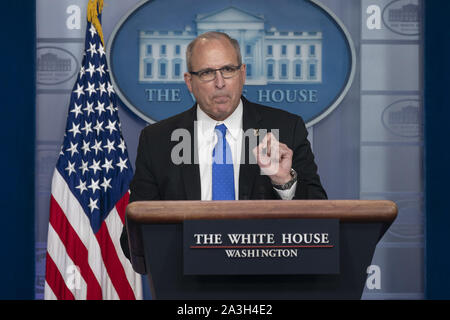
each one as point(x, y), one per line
point(224, 147)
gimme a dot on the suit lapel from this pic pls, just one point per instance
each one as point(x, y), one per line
point(248, 170)
point(190, 173)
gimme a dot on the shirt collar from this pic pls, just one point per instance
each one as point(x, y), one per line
point(233, 122)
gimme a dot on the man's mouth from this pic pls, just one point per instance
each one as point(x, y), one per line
point(221, 99)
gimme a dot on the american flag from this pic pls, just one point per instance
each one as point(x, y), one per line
point(90, 192)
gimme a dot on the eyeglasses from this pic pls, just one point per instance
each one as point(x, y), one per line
point(227, 72)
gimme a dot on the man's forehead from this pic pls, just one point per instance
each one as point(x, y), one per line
point(204, 45)
point(210, 43)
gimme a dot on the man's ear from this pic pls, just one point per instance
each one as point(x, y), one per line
point(244, 71)
point(188, 80)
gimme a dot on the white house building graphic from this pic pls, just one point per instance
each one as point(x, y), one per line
point(271, 56)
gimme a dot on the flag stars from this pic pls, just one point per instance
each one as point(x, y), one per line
point(101, 70)
point(90, 88)
point(97, 146)
point(92, 49)
point(93, 204)
point(94, 152)
point(82, 72)
point(110, 88)
point(100, 108)
point(72, 149)
point(75, 129)
point(92, 30)
point(108, 165)
point(94, 186)
point(77, 110)
point(101, 89)
point(101, 50)
point(81, 187)
point(99, 127)
point(83, 167)
point(79, 90)
point(106, 183)
point(91, 69)
point(85, 147)
point(89, 108)
point(109, 145)
point(70, 168)
point(87, 128)
point(95, 166)
point(121, 146)
point(122, 164)
point(111, 126)
point(110, 108)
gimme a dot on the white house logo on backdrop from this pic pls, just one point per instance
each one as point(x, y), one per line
point(271, 56)
point(287, 65)
point(402, 17)
point(55, 65)
point(403, 118)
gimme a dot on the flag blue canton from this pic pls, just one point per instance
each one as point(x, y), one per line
point(93, 158)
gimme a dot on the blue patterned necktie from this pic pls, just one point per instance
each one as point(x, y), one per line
point(222, 167)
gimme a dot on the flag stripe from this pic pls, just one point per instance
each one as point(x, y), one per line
point(67, 268)
point(113, 265)
point(121, 206)
point(80, 223)
point(113, 222)
point(49, 294)
point(56, 281)
point(75, 249)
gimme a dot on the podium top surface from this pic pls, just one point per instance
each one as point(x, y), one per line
point(152, 212)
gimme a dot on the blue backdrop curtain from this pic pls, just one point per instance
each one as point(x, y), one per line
point(17, 101)
point(437, 152)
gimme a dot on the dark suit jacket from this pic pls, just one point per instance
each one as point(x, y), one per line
point(158, 178)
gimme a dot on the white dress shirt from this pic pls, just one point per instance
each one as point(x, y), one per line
point(206, 141)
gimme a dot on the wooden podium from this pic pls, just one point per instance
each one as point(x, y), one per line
point(155, 235)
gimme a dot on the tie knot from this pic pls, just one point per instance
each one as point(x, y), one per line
point(222, 128)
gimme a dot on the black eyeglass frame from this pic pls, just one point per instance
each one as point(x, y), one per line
point(198, 73)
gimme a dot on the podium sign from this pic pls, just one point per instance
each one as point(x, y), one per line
point(268, 246)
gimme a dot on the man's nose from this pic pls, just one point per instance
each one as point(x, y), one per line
point(219, 81)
